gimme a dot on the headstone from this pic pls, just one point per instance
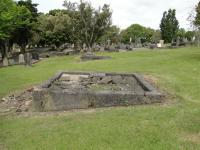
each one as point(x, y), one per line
point(21, 59)
point(123, 46)
point(138, 43)
point(102, 48)
point(0, 56)
point(152, 46)
point(162, 43)
point(11, 62)
point(112, 48)
point(5, 62)
point(84, 47)
point(28, 59)
point(72, 46)
point(177, 41)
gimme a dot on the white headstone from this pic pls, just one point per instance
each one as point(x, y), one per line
point(5, 62)
point(21, 59)
point(162, 43)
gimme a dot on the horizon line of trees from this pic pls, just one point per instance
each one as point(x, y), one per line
point(79, 23)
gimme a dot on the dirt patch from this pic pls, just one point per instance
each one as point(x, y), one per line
point(192, 138)
point(151, 79)
point(18, 102)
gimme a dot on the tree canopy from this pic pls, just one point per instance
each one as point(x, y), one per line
point(89, 24)
point(136, 32)
point(169, 26)
point(197, 17)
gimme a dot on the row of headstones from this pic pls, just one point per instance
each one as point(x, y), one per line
point(113, 47)
point(23, 59)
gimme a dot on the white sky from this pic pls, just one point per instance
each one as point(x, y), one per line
point(126, 12)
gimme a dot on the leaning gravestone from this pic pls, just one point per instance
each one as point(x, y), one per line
point(28, 59)
point(21, 59)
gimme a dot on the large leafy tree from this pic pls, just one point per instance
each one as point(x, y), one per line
point(32, 7)
point(137, 32)
point(197, 17)
point(24, 32)
point(169, 25)
point(190, 35)
point(54, 29)
point(197, 24)
point(112, 34)
point(89, 24)
point(12, 17)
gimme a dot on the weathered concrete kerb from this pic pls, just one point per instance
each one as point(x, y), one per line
point(81, 90)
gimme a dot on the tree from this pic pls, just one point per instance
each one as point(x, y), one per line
point(32, 7)
point(156, 37)
point(11, 18)
point(54, 30)
point(197, 17)
point(25, 31)
point(181, 33)
point(112, 34)
point(197, 24)
point(190, 35)
point(169, 25)
point(136, 32)
point(88, 24)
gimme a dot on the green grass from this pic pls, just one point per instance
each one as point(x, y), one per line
point(171, 126)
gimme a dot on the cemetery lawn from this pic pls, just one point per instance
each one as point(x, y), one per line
point(173, 125)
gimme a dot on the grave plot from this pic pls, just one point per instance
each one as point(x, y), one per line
point(76, 90)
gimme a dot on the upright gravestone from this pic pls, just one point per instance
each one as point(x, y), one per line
point(21, 59)
point(28, 59)
point(5, 61)
point(178, 41)
point(11, 62)
point(84, 48)
point(0, 56)
point(162, 43)
point(102, 48)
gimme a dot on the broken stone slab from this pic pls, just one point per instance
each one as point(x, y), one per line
point(117, 79)
point(64, 78)
point(106, 80)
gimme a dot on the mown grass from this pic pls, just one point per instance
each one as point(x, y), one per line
point(174, 125)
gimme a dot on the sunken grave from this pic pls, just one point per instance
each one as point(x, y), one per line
point(80, 90)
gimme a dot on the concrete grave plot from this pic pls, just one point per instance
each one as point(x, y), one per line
point(76, 90)
point(92, 56)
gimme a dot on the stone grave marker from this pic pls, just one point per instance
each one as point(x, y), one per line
point(5, 62)
point(21, 59)
point(28, 59)
point(11, 62)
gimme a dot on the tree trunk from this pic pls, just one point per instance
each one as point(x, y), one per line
point(5, 54)
point(89, 49)
point(23, 48)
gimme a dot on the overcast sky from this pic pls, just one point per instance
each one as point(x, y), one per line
point(127, 12)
